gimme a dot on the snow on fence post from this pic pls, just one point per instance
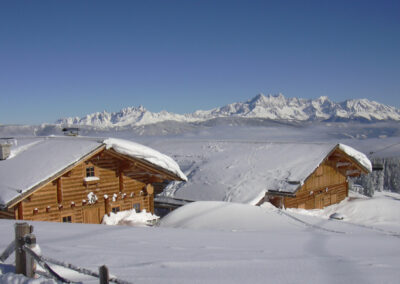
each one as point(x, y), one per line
point(21, 229)
point(30, 241)
point(103, 275)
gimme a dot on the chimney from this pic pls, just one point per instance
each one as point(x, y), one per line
point(4, 151)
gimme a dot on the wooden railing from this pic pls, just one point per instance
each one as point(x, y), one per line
point(26, 259)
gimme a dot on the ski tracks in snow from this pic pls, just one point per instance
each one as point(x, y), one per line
point(318, 227)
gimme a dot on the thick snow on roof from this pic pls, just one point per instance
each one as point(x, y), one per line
point(136, 150)
point(34, 160)
point(227, 216)
point(243, 171)
point(358, 156)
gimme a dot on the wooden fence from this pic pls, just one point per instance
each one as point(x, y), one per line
point(26, 259)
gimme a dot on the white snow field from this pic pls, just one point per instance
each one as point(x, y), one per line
point(219, 242)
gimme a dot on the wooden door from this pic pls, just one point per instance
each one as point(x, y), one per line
point(91, 215)
point(333, 199)
point(319, 201)
point(327, 200)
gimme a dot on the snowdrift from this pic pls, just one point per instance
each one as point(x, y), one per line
point(130, 218)
point(217, 215)
point(382, 210)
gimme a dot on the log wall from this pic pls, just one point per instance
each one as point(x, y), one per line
point(46, 203)
point(324, 187)
point(7, 214)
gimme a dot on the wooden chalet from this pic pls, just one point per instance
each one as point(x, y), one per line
point(322, 185)
point(79, 180)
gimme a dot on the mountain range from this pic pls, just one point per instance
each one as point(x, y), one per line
point(270, 107)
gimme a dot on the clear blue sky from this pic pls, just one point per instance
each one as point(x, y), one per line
point(70, 58)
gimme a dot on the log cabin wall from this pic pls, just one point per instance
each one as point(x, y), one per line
point(66, 198)
point(7, 214)
point(324, 187)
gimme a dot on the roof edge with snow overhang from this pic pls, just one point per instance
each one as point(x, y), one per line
point(358, 158)
point(65, 170)
point(144, 155)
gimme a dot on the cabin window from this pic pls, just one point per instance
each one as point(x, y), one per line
point(136, 206)
point(67, 219)
point(115, 209)
point(90, 172)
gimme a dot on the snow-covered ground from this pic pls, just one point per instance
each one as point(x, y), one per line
point(381, 211)
point(131, 218)
point(218, 242)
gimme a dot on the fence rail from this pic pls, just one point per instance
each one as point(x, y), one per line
point(43, 264)
point(25, 258)
point(83, 270)
point(8, 251)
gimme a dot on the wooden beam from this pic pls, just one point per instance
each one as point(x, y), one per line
point(343, 164)
point(107, 206)
point(121, 181)
point(155, 179)
point(20, 211)
point(355, 163)
point(67, 174)
point(154, 169)
point(352, 172)
point(59, 191)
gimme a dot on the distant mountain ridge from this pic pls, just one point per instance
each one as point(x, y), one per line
point(272, 107)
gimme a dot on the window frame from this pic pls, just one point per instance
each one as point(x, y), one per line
point(90, 169)
point(116, 209)
point(67, 216)
point(137, 207)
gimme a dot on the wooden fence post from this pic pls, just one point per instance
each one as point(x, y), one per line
point(103, 275)
point(21, 229)
point(30, 241)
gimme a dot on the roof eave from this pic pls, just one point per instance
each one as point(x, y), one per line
point(31, 190)
point(282, 193)
point(362, 167)
point(170, 175)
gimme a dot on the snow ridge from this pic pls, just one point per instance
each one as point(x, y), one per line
point(274, 107)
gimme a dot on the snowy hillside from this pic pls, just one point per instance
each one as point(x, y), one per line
point(217, 242)
point(269, 107)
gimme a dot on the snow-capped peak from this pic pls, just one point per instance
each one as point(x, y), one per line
point(274, 107)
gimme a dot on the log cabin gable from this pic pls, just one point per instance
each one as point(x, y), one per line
point(325, 175)
point(141, 169)
point(66, 172)
point(334, 169)
point(89, 168)
point(135, 169)
point(127, 185)
point(346, 165)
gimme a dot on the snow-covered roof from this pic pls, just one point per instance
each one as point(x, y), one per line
point(243, 172)
point(356, 155)
point(140, 151)
point(292, 163)
point(34, 160)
